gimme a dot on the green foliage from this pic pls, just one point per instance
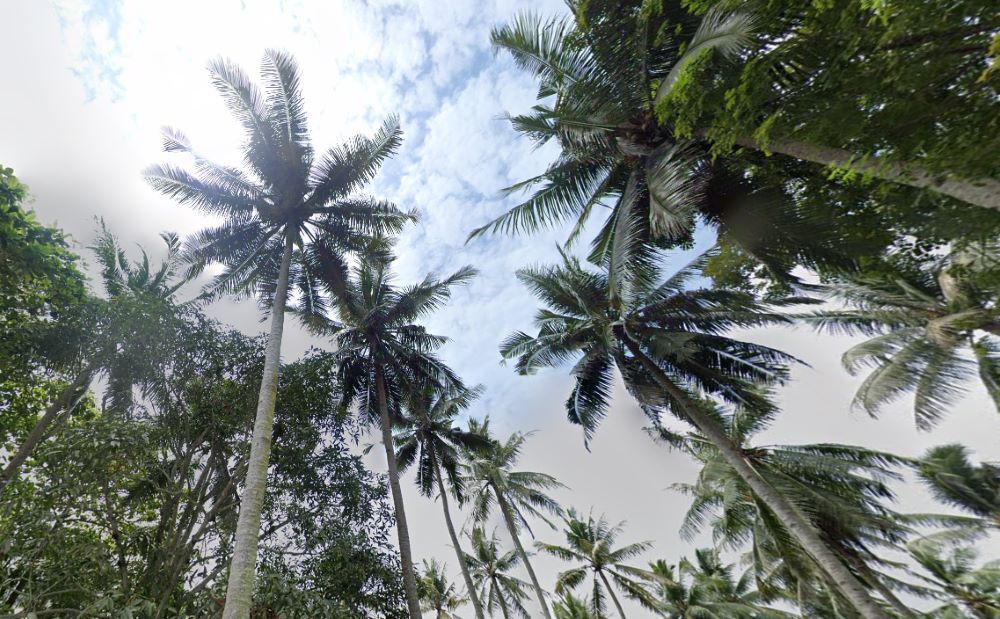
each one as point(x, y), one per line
point(904, 79)
point(843, 490)
point(437, 595)
point(131, 510)
point(920, 326)
point(40, 284)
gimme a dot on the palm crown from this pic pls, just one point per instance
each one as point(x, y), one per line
point(591, 544)
point(920, 329)
point(142, 310)
point(491, 569)
point(427, 437)
point(376, 331)
point(284, 194)
point(436, 593)
point(954, 480)
point(492, 474)
point(604, 73)
point(605, 318)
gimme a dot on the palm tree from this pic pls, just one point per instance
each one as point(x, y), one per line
point(138, 282)
point(428, 438)
point(605, 75)
point(518, 494)
point(841, 489)
point(278, 211)
point(921, 328)
point(954, 480)
point(955, 575)
point(707, 588)
point(437, 595)
point(591, 544)
point(382, 355)
point(121, 336)
point(669, 345)
point(491, 570)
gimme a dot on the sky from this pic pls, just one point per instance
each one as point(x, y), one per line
point(88, 85)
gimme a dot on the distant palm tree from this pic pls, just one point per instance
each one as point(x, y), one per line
point(953, 572)
point(437, 595)
point(921, 328)
point(491, 571)
point(668, 343)
point(383, 355)
point(428, 438)
point(284, 203)
point(706, 588)
point(137, 281)
point(842, 489)
point(591, 544)
point(518, 494)
point(954, 480)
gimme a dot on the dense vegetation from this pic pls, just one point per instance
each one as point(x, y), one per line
point(157, 463)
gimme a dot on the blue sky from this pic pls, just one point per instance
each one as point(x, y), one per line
point(94, 81)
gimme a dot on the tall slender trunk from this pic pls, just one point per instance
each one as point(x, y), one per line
point(239, 590)
point(508, 519)
point(462, 564)
point(797, 524)
point(402, 531)
point(984, 192)
point(56, 413)
point(611, 592)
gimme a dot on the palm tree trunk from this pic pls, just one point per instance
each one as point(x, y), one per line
point(55, 414)
point(239, 590)
point(508, 518)
point(984, 192)
point(462, 564)
point(402, 531)
point(797, 524)
point(611, 592)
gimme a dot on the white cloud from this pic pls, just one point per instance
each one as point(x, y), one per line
point(81, 142)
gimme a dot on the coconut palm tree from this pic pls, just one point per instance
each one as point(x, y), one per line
point(119, 336)
point(591, 544)
point(283, 203)
point(428, 438)
point(437, 595)
point(922, 327)
point(842, 489)
point(707, 588)
point(383, 355)
point(517, 494)
point(491, 572)
point(668, 343)
point(603, 76)
point(954, 480)
point(604, 69)
point(954, 574)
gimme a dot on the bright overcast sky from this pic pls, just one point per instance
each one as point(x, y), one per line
point(87, 86)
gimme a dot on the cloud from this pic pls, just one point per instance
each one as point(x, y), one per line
point(94, 81)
